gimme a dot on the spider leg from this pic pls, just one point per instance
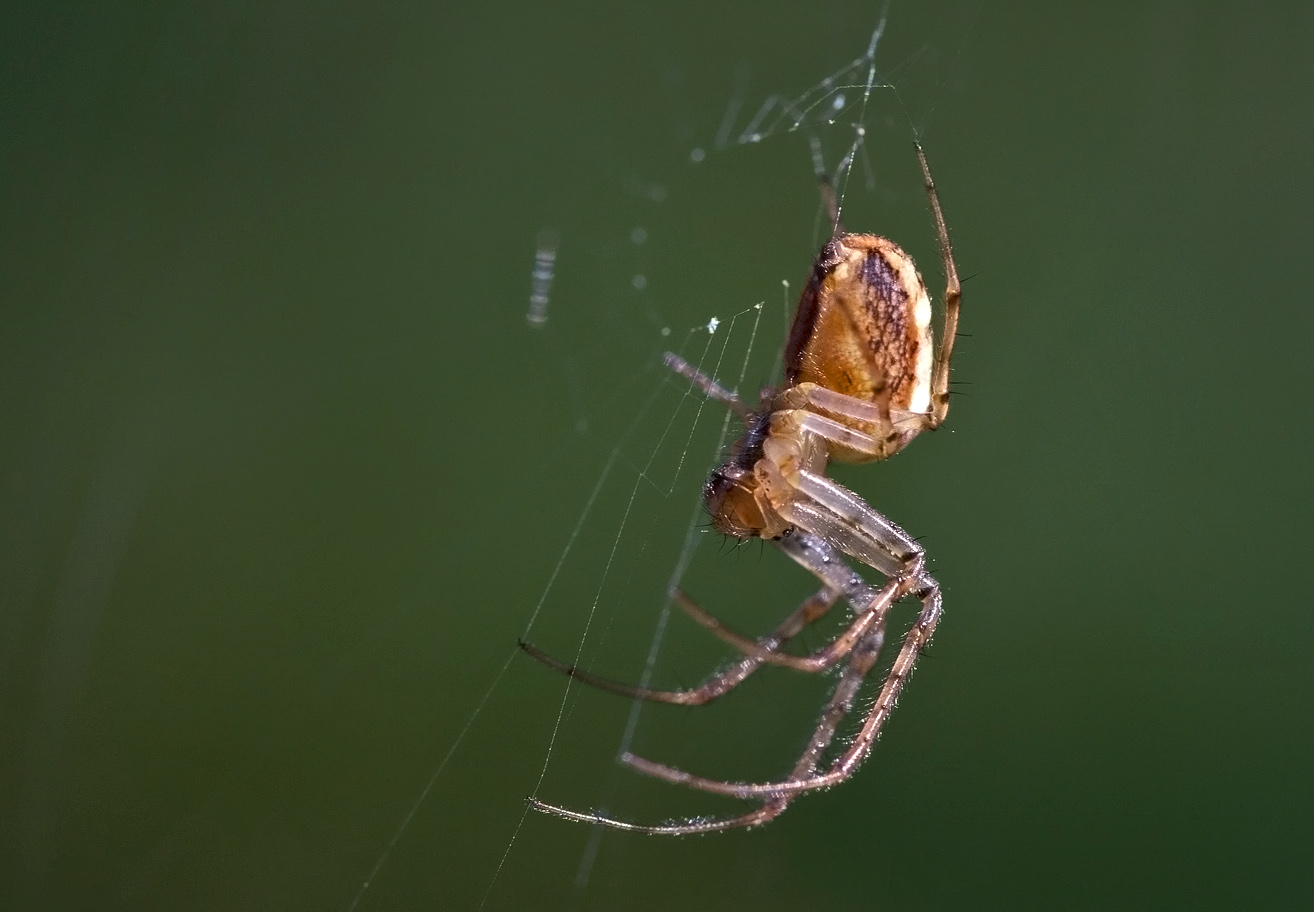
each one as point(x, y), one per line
point(823, 523)
point(868, 617)
point(841, 518)
point(865, 520)
point(916, 640)
point(841, 702)
point(878, 415)
point(929, 592)
point(768, 811)
point(848, 406)
point(767, 649)
point(707, 384)
point(777, 796)
point(829, 198)
point(828, 509)
point(817, 556)
point(813, 608)
point(953, 293)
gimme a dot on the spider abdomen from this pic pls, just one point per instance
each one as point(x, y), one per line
point(863, 325)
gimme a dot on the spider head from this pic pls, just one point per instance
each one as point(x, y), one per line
point(729, 494)
point(732, 492)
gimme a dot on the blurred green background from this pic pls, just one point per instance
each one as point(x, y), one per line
point(285, 471)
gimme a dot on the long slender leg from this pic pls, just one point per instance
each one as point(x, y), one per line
point(813, 517)
point(840, 517)
point(829, 199)
point(839, 705)
point(707, 384)
point(812, 609)
point(871, 616)
point(841, 702)
point(834, 432)
point(764, 650)
point(913, 645)
point(863, 637)
point(856, 511)
point(953, 292)
point(821, 559)
point(851, 759)
point(761, 815)
point(811, 552)
point(883, 421)
point(769, 810)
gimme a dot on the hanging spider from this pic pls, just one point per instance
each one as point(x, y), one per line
point(862, 379)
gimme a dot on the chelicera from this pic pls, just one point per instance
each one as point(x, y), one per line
point(862, 379)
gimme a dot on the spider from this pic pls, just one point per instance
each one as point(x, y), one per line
point(862, 380)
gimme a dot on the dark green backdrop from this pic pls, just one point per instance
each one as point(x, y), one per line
point(284, 471)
